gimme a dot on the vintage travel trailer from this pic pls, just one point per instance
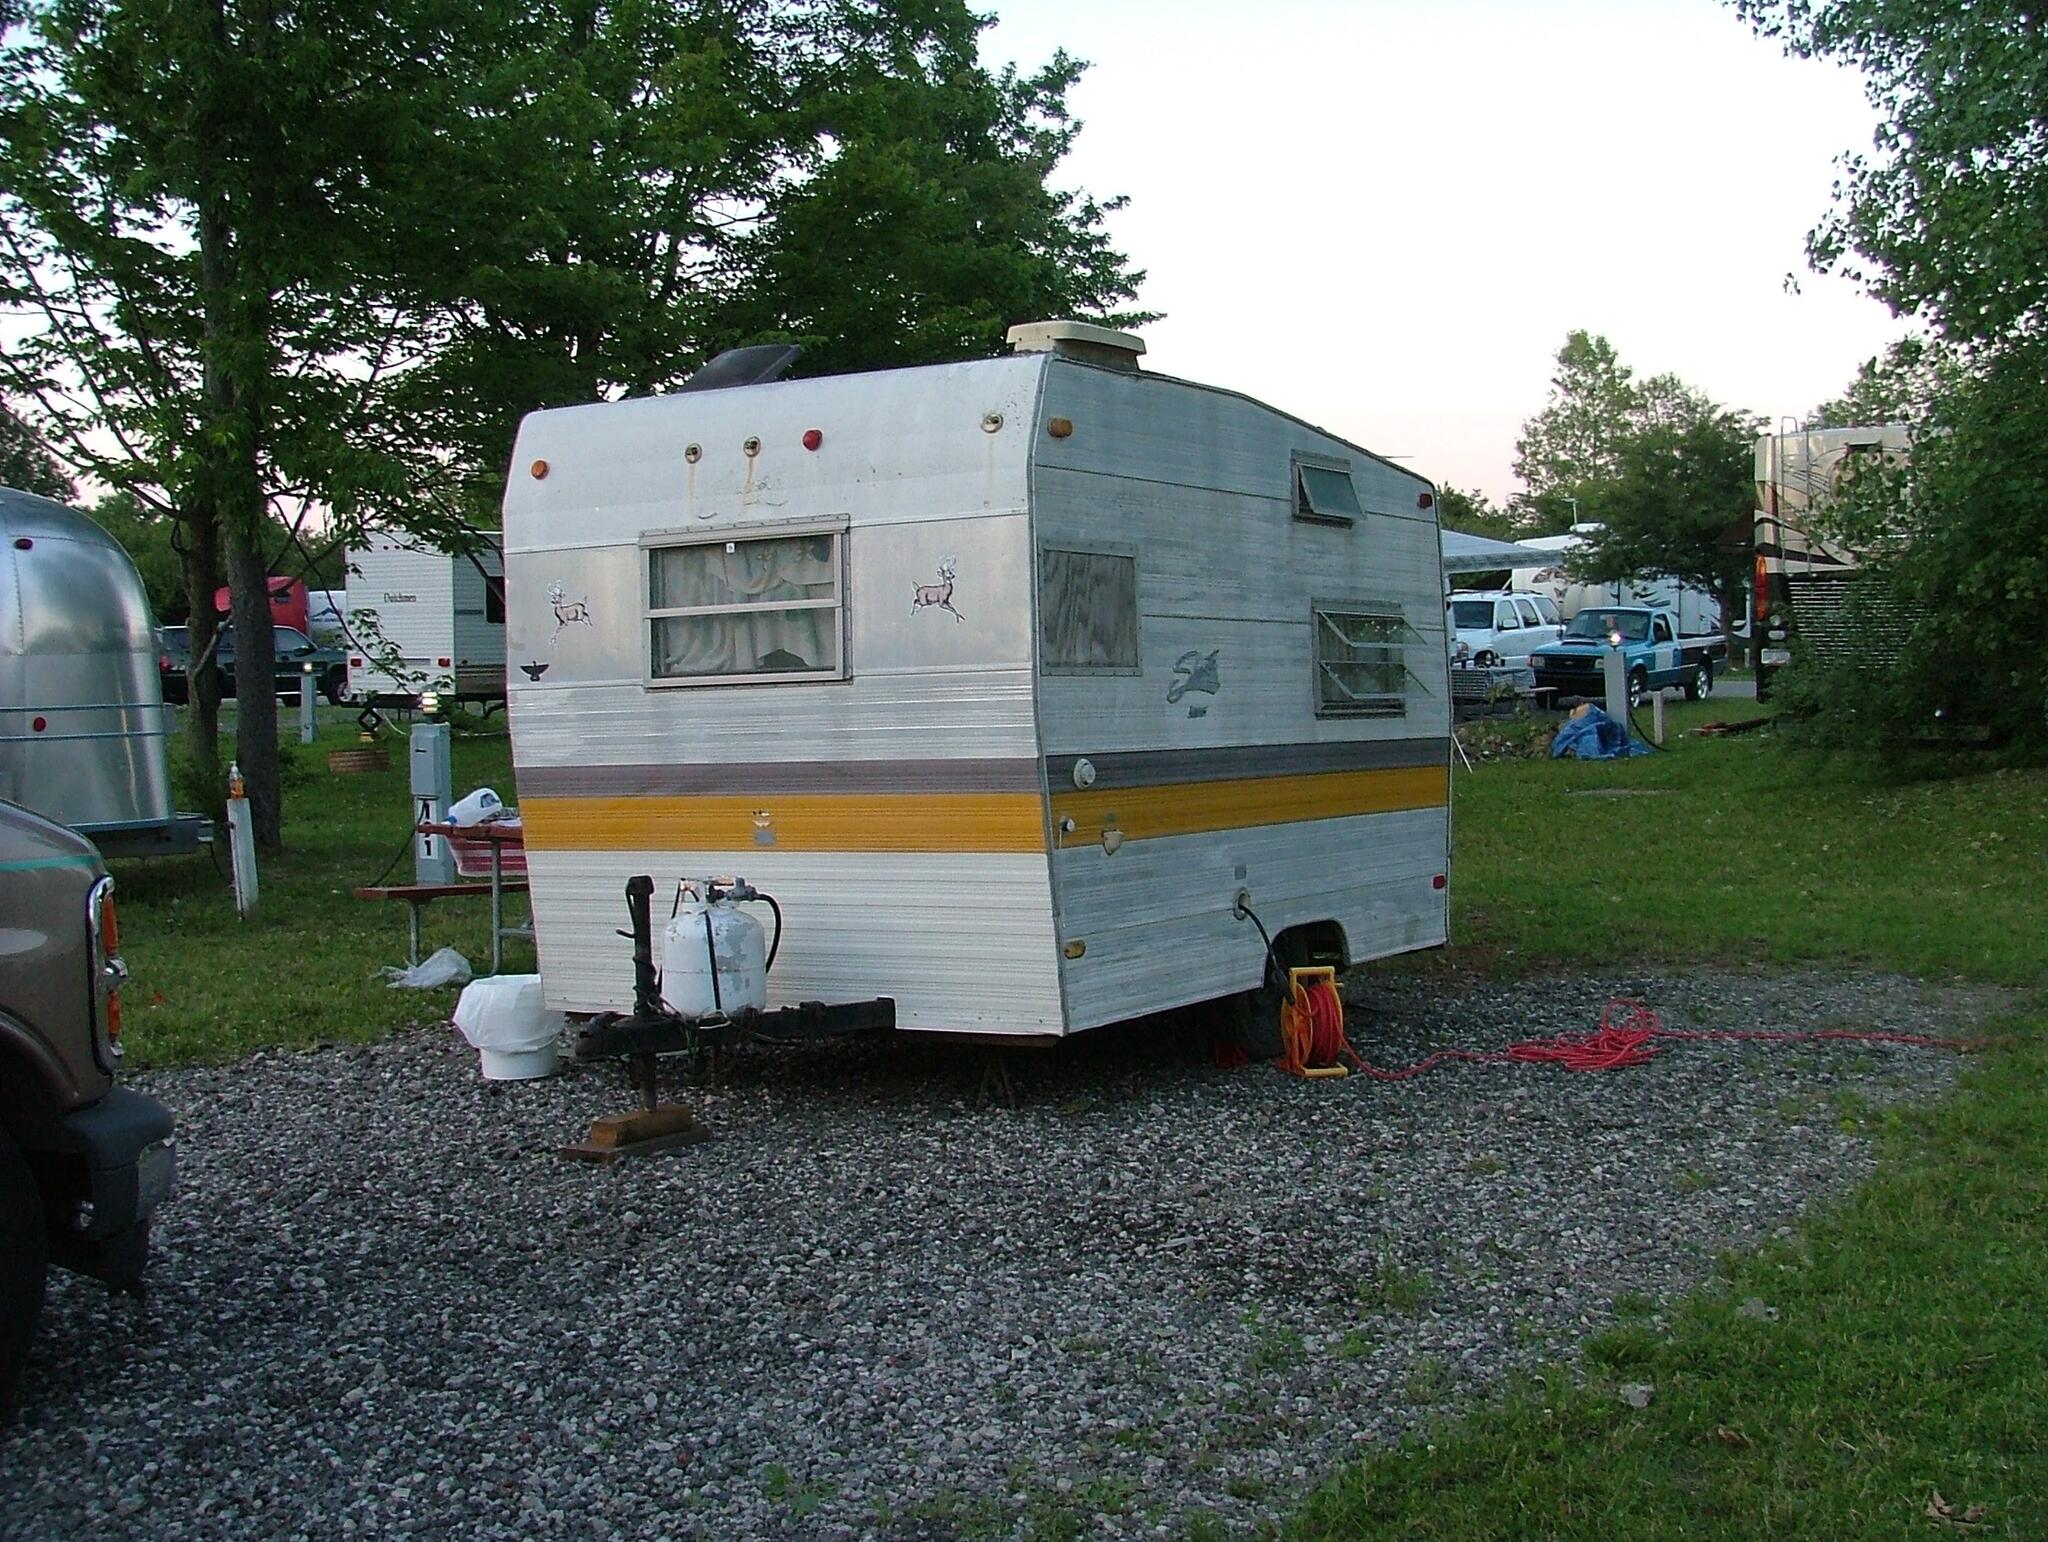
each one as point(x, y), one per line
point(420, 619)
point(1018, 682)
point(82, 719)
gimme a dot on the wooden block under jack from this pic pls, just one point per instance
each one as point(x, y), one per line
point(643, 1132)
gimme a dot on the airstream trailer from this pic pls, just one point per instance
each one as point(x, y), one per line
point(1023, 684)
point(82, 721)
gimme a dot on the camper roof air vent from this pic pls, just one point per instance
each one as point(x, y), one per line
point(1078, 340)
point(744, 367)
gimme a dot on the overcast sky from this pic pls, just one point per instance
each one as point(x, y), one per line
point(1385, 217)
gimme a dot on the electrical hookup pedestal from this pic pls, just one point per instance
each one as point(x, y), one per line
point(433, 789)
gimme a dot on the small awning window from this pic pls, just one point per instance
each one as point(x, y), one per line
point(1325, 495)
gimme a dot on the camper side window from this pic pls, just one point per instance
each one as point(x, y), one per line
point(763, 610)
point(1087, 612)
point(1360, 666)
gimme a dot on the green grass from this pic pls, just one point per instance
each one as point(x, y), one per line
point(209, 986)
point(1743, 849)
point(1908, 1357)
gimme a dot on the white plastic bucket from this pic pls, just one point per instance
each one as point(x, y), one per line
point(505, 1021)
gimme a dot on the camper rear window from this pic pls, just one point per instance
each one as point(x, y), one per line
point(1361, 668)
point(761, 610)
point(1087, 612)
point(1323, 495)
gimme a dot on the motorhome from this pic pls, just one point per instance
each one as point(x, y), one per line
point(420, 619)
point(1032, 687)
point(1803, 580)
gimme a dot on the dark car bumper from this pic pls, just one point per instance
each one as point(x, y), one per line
point(118, 1160)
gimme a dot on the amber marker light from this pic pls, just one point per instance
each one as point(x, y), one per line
point(540, 469)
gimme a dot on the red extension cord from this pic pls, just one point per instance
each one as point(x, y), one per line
point(1627, 1035)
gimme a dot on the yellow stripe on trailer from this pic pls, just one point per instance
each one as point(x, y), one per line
point(969, 822)
point(928, 822)
point(1192, 808)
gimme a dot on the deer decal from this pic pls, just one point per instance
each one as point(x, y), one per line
point(568, 612)
point(937, 596)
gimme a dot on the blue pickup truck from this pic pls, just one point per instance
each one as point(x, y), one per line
point(1656, 654)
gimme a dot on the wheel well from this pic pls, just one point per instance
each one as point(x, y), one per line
point(1323, 941)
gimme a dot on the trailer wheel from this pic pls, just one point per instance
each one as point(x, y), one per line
point(1251, 1019)
point(334, 685)
point(1638, 686)
point(1701, 685)
point(24, 1268)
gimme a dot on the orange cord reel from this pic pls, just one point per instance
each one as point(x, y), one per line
point(1312, 1025)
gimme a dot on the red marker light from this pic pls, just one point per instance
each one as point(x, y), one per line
point(40, 724)
point(1425, 500)
point(1438, 882)
point(812, 438)
point(355, 663)
point(440, 663)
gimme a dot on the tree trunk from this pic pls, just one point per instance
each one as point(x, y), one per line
point(202, 676)
point(235, 352)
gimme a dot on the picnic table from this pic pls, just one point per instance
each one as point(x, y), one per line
point(498, 849)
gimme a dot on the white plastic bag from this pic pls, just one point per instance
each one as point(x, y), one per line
point(443, 966)
point(506, 1019)
point(479, 806)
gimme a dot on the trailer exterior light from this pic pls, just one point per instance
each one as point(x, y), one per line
point(1425, 500)
point(540, 469)
point(440, 663)
point(1059, 428)
point(1441, 881)
point(813, 438)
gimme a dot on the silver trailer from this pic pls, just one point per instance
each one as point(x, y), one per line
point(1015, 681)
point(82, 719)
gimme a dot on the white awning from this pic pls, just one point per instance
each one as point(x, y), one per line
point(1479, 554)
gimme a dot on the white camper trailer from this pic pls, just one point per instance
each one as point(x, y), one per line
point(1015, 681)
point(425, 620)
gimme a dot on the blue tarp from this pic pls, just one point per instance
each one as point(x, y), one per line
point(1595, 736)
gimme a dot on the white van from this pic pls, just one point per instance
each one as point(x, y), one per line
point(1493, 626)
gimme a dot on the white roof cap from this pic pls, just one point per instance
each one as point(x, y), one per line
point(1077, 340)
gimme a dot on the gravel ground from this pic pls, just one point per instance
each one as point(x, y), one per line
point(1149, 1293)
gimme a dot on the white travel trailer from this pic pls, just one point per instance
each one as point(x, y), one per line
point(82, 718)
point(1014, 681)
point(1697, 610)
point(425, 620)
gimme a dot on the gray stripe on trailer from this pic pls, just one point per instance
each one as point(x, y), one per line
point(765, 778)
point(1151, 768)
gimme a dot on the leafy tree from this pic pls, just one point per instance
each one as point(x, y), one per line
point(328, 254)
point(26, 465)
point(935, 207)
point(642, 186)
point(1680, 503)
point(1573, 445)
point(196, 199)
point(1943, 220)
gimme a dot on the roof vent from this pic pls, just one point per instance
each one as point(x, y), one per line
point(1078, 340)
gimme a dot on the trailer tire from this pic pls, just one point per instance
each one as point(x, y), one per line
point(1701, 685)
point(24, 1268)
point(1251, 1019)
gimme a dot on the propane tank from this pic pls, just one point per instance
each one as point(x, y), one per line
point(707, 925)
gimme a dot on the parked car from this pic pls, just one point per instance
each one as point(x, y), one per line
point(1492, 626)
point(295, 650)
point(83, 1161)
point(1653, 651)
